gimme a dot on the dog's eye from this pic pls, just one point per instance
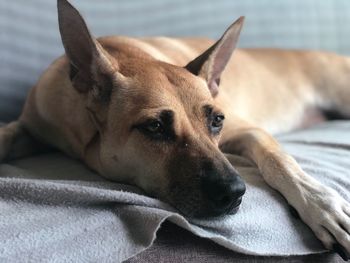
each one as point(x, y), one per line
point(159, 128)
point(218, 120)
point(154, 127)
point(217, 123)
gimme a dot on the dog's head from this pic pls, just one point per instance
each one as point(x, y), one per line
point(158, 124)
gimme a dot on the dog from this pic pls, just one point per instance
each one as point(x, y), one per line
point(151, 111)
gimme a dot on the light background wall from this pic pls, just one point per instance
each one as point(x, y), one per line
point(29, 37)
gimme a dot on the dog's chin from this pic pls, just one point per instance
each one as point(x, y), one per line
point(209, 213)
point(215, 213)
point(198, 207)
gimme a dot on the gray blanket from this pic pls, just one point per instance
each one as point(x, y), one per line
point(54, 209)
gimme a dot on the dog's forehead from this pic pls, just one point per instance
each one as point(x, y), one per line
point(159, 84)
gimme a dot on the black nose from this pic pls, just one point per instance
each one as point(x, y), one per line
point(224, 193)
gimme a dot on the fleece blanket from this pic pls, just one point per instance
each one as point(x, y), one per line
point(54, 209)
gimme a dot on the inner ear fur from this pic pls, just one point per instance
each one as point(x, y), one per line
point(211, 63)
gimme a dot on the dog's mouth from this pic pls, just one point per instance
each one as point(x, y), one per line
point(232, 209)
point(199, 202)
point(214, 193)
point(213, 212)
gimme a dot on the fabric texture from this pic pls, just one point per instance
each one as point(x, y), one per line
point(175, 244)
point(54, 209)
point(30, 41)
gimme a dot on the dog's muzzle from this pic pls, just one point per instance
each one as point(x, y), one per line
point(223, 193)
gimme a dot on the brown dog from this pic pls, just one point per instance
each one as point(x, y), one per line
point(150, 112)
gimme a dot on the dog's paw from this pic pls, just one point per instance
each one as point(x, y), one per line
point(328, 215)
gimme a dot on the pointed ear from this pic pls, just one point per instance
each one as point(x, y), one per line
point(91, 66)
point(210, 64)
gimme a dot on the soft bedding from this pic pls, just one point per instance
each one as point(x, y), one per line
point(52, 208)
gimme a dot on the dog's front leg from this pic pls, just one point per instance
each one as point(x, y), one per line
point(320, 207)
point(16, 142)
point(8, 134)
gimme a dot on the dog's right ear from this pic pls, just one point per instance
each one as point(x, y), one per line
point(91, 66)
point(211, 63)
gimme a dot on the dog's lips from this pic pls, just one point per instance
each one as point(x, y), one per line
point(233, 209)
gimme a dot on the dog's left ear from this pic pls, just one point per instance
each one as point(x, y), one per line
point(210, 64)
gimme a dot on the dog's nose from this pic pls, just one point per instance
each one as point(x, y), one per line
point(224, 194)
